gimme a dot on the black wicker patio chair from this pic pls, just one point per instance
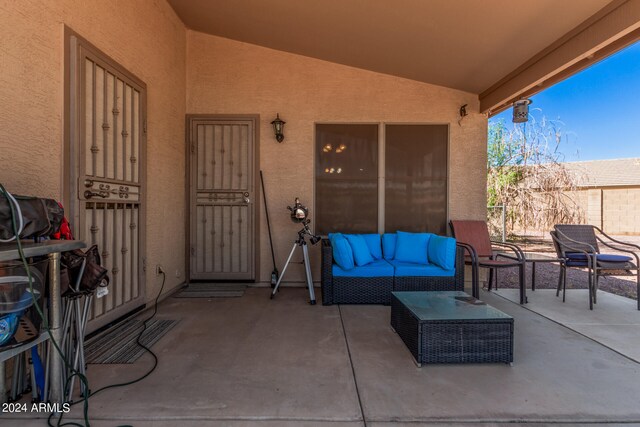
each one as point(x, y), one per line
point(474, 237)
point(577, 246)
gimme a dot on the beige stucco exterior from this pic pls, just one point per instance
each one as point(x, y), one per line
point(227, 77)
point(192, 73)
point(144, 36)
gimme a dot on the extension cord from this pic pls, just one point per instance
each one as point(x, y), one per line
point(87, 394)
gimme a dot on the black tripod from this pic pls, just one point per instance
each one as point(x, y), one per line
point(301, 243)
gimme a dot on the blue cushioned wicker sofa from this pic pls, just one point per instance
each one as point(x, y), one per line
point(366, 268)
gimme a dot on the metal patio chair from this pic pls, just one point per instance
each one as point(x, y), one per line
point(577, 246)
point(474, 237)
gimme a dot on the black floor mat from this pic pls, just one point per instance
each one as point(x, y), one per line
point(118, 345)
point(212, 290)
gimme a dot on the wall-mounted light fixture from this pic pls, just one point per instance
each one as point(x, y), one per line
point(463, 114)
point(278, 128)
point(521, 110)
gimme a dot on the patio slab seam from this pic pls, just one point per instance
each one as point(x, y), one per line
point(353, 371)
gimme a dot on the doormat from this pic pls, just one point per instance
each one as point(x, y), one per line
point(212, 290)
point(119, 346)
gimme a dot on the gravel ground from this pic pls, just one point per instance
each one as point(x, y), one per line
point(547, 273)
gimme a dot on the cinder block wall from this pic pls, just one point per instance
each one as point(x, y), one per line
point(227, 77)
point(614, 209)
point(621, 210)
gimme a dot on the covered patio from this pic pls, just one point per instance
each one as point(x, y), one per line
point(164, 84)
point(282, 362)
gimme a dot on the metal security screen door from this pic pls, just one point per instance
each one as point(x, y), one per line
point(222, 199)
point(109, 156)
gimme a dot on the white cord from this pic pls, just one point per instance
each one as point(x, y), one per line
point(12, 199)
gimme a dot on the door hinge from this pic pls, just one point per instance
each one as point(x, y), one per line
point(144, 264)
point(193, 251)
point(144, 126)
point(193, 147)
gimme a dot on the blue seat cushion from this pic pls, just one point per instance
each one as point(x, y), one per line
point(408, 269)
point(389, 245)
point(412, 247)
point(576, 263)
point(361, 254)
point(377, 268)
point(442, 251)
point(374, 244)
point(579, 259)
point(342, 253)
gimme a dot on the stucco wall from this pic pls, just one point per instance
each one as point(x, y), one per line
point(229, 77)
point(148, 39)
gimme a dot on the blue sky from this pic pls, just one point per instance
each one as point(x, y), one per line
point(599, 107)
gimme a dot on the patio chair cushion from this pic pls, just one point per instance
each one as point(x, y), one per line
point(374, 244)
point(377, 268)
point(412, 247)
point(441, 251)
point(389, 245)
point(408, 269)
point(579, 259)
point(361, 254)
point(342, 252)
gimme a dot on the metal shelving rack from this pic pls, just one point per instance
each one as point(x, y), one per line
point(51, 248)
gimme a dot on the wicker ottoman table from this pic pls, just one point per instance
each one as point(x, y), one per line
point(451, 327)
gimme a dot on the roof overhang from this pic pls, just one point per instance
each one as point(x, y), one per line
point(497, 49)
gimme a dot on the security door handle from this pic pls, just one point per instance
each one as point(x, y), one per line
point(88, 194)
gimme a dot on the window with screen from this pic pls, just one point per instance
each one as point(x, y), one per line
point(414, 183)
point(416, 178)
point(346, 173)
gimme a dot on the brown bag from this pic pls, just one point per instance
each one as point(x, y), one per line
point(94, 274)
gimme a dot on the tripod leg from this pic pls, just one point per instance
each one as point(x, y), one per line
point(275, 289)
point(307, 268)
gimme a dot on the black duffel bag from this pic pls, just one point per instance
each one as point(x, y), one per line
point(41, 217)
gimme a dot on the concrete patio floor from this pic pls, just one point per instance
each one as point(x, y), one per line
point(251, 361)
point(613, 322)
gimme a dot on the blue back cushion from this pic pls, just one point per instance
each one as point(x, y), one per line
point(373, 243)
point(361, 254)
point(442, 251)
point(342, 253)
point(412, 247)
point(389, 245)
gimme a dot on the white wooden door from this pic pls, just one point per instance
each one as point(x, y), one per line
point(222, 199)
point(109, 154)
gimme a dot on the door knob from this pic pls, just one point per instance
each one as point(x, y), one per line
point(246, 198)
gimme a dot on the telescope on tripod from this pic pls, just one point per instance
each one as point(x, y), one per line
point(299, 214)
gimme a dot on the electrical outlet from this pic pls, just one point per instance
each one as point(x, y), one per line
point(178, 273)
point(159, 269)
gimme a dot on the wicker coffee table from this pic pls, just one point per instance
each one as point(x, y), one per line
point(451, 327)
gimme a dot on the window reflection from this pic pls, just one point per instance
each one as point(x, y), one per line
point(346, 178)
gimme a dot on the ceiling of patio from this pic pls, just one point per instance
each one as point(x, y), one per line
point(465, 44)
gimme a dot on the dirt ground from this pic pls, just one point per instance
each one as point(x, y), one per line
point(547, 273)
